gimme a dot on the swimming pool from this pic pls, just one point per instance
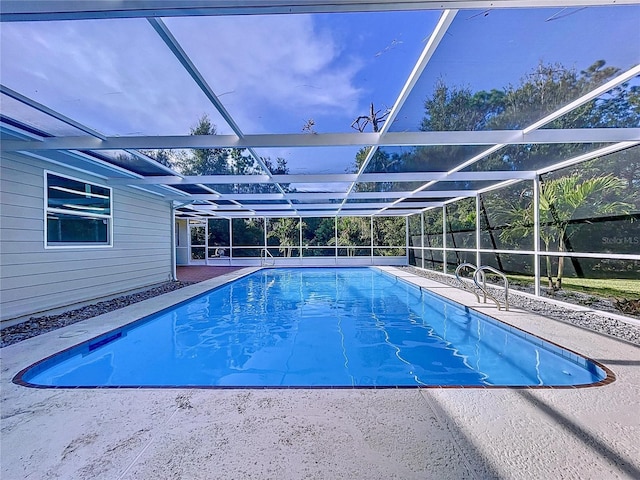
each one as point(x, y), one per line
point(314, 327)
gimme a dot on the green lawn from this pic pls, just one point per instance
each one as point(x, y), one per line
point(602, 287)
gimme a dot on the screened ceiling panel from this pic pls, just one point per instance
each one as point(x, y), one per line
point(609, 110)
point(369, 207)
point(259, 202)
point(116, 76)
point(494, 51)
point(329, 187)
point(86, 162)
point(330, 202)
point(192, 189)
point(133, 163)
point(625, 163)
point(313, 160)
point(471, 186)
point(217, 161)
point(531, 157)
point(230, 188)
point(33, 118)
point(437, 158)
point(363, 201)
point(304, 73)
point(418, 199)
point(387, 187)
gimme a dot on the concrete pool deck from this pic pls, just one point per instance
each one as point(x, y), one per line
point(437, 433)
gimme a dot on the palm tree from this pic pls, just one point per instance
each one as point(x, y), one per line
point(566, 198)
point(562, 200)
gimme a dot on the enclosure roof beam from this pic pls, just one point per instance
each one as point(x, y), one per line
point(324, 179)
point(390, 139)
point(42, 10)
point(326, 195)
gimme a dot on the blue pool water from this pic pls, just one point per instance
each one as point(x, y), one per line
point(306, 327)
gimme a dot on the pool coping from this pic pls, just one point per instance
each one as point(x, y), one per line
point(446, 292)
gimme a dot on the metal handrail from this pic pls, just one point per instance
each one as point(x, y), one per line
point(480, 272)
point(465, 285)
point(263, 259)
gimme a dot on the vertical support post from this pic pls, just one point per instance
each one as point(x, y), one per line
point(536, 234)
point(300, 244)
point(371, 239)
point(190, 256)
point(444, 239)
point(264, 230)
point(406, 239)
point(335, 236)
point(206, 242)
point(231, 240)
point(422, 251)
point(478, 262)
point(174, 268)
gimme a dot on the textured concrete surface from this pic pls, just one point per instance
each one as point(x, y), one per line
point(278, 434)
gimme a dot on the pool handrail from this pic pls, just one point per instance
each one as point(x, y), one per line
point(480, 273)
point(465, 285)
point(263, 259)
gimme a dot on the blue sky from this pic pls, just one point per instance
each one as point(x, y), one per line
point(486, 50)
point(275, 73)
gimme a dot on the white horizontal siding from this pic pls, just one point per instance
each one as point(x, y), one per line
point(42, 258)
point(34, 278)
point(73, 295)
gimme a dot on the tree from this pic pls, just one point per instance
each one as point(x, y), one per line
point(452, 108)
point(205, 161)
point(164, 157)
point(381, 162)
point(561, 200)
point(225, 161)
point(318, 232)
point(569, 197)
point(389, 231)
point(544, 90)
point(354, 232)
point(375, 118)
point(286, 231)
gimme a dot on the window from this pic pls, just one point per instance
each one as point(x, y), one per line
point(78, 213)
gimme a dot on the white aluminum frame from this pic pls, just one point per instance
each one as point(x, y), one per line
point(42, 10)
point(49, 149)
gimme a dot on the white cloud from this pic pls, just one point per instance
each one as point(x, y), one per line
point(118, 76)
point(115, 76)
point(279, 66)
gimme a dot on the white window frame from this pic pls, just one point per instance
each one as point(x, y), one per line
point(47, 210)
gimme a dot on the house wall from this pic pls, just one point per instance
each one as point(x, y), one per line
point(35, 279)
